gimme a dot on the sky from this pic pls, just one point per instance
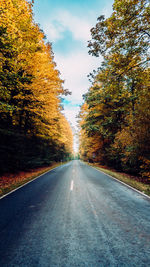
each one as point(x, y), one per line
point(67, 24)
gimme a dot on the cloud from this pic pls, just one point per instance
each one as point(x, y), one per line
point(54, 31)
point(79, 27)
point(71, 114)
point(74, 69)
point(74, 66)
point(64, 21)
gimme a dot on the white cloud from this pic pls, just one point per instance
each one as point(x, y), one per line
point(74, 69)
point(54, 31)
point(64, 21)
point(71, 114)
point(79, 27)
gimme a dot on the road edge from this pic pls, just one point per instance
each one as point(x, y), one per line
point(29, 182)
point(129, 186)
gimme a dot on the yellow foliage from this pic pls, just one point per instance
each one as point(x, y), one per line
point(145, 167)
point(37, 98)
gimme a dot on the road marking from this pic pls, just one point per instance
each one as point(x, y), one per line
point(28, 182)
point(72, 184)
point(129, 186)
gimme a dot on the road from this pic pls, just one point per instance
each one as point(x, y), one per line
point(74, 216)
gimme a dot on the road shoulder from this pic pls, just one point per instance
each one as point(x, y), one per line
point(10, 183)
point(125, 179)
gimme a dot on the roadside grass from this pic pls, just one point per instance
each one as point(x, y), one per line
point(10, 182)
point(126, 178)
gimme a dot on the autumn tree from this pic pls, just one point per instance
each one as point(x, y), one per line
point(120, 88)
point(30, 92)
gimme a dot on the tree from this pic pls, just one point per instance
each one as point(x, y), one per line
point(30, 90)
point(120, 92)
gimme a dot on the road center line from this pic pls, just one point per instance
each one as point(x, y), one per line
point(72, 184)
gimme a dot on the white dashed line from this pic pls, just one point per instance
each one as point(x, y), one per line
point(72, 184)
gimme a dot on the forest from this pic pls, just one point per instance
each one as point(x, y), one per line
point(33, 130)
point(115, 116)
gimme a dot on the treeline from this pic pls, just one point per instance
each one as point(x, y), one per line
point(33, 130)
point(115, 116)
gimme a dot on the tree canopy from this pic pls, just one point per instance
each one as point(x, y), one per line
point(33, 130)
point(115, 116)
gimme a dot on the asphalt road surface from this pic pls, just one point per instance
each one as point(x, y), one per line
point(75, 216)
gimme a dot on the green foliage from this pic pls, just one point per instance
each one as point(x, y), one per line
point(117, 115)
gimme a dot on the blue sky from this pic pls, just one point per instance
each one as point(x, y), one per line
point(67, 25)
